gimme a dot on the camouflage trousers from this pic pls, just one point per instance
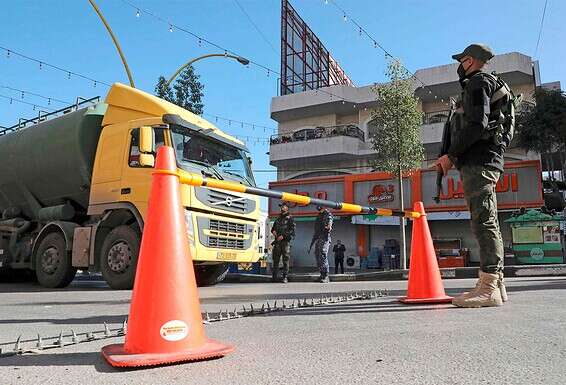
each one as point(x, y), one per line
point(321, 248)
point(479, 191)
point(281, 251)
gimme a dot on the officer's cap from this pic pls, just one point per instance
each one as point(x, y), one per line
point(284, 204)
point(478, 51)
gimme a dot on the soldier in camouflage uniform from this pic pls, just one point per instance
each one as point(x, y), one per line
point(321, 240)
point(283, 231)
point(476, 149)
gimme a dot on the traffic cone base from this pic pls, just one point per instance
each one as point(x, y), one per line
point(117, 356)
point(425, 283)
point(409, 301)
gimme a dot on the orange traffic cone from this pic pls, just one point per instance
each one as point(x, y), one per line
point(165, 323)
point(425, 283)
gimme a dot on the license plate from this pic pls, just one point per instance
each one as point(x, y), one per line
point(224, 256)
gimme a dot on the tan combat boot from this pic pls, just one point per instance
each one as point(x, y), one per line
point(487, 293)
point(502, 288)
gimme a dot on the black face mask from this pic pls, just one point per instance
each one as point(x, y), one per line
point(461, 71)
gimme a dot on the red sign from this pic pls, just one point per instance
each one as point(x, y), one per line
point(317, 195)
point(508, 182)
point(382, 193)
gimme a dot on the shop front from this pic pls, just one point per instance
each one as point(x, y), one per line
point(366, 236)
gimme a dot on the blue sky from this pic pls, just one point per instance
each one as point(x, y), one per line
point(67, 33)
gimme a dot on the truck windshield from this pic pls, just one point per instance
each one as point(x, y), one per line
point(196, 151)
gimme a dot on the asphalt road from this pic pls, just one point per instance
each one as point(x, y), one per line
point(359, 342)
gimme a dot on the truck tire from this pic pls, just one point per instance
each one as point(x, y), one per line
point(209, 275)
point(119, 257)
point(53, 266)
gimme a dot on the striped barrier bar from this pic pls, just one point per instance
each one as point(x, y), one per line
point(199, 180)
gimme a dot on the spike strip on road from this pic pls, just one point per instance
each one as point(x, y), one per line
point(199, 180)
point(223, 315)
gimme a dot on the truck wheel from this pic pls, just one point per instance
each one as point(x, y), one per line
point(119, 257)
point(209, 275)
point(53, 266)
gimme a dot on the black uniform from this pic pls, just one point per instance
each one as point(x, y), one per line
point(339, 257)
point(284, 225)
point(321, 240)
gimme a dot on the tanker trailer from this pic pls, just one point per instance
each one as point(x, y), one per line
point(74, 190)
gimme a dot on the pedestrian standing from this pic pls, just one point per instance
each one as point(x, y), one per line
point(283, 231)
point(476, 149)
point(321, 240)
point(339, 249)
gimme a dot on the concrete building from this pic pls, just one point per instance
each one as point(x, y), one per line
point(323, 149)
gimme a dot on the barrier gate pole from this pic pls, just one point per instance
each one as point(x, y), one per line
point(199, 180)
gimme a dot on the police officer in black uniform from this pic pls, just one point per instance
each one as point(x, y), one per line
point(321, 240)
point(284, 231)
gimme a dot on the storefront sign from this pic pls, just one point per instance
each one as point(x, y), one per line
point(382, 193)
point(518, 186)
point(333, 191)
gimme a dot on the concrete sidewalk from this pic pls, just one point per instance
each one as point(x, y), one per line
point(391, 275)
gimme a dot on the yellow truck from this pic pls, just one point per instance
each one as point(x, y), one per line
point(74, 190)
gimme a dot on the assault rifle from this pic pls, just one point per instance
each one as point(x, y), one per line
point(446, 139)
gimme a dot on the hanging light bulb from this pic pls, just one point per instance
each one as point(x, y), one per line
point(94, 84)
point(22, 94)
point(374, 44)
point(48, 101)
point(343, 101)
point(170, 28)
point(138, 13)
point(8, 54)
point(267, 73)
point(199, 42)
point(68, 75)
point(11, 100)
point(360, 31)
point(40, 65)
point(345, 17)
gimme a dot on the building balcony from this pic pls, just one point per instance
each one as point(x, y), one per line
point(345, 141)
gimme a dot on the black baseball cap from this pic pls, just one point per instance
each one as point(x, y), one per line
point(478, 51)
point(284, 204)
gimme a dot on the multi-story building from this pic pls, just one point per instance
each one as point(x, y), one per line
point(323, 149)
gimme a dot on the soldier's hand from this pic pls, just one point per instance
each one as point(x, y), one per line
point(444, 164)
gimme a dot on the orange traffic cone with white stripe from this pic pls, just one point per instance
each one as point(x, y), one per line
point(425, 283)
point(165, 322)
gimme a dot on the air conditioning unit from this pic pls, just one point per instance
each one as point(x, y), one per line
point(352, 262)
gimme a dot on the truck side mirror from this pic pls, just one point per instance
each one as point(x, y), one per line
point(146, 140)
point(146, 146)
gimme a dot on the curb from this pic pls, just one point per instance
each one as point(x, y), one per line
point(398, 275)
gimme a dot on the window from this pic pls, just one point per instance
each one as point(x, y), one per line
point(134, 158)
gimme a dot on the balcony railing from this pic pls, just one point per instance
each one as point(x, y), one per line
point(318, 133)
point(435, 117)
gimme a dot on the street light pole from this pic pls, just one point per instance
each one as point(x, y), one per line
point(240, 60)
point(115, 40)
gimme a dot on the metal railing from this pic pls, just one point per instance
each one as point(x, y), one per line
point(42, 115)
point(318, 133)
point(436, 117)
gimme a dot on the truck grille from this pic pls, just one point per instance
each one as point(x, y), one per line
point(223, 201)
point(227, 201)
point(226, 243)
point(230, 227)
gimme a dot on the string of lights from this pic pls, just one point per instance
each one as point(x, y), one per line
point(41, 64)
point(23, 93)
point(362, 31)
point(34, 105)
point(242, 124)
point(203, 40)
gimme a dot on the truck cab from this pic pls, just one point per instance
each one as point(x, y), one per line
point(105, 236)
